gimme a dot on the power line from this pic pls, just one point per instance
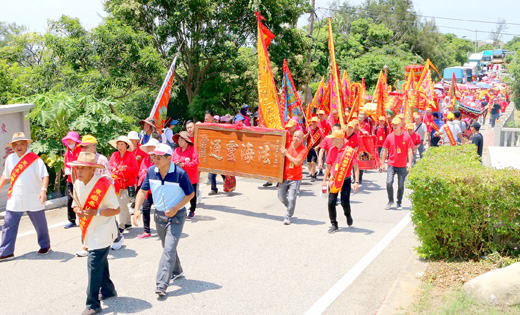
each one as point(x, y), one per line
point(409, 21)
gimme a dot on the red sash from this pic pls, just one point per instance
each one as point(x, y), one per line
point(94, 199)
point(434, 126)
point(20, 167)
point(314, 139)
point(336, 182)
point(450, 135)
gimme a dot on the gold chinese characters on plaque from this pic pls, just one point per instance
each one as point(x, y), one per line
point(248, 152)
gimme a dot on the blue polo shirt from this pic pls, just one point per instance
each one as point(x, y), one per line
point(167, 192)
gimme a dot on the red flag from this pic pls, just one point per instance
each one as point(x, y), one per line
point(160, 107)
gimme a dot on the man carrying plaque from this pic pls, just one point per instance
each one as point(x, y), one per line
point(28, 191)
point(292, 175)
point(341, 159)
point(96, 204)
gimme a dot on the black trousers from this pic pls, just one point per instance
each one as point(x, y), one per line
point(147, 205)
point(98, 277)
point(71, 215)
point(193, 201)
point(345, 201)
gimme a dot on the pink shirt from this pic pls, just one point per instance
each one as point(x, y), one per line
point(190, 158)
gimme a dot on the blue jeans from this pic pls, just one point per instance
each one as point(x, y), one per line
point(287, 193)
point(401, 176)
point(169, 230)
point(494, 117)
point(10, 230)
point(213, 180)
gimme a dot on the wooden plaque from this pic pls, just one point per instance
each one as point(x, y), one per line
point(248, 152)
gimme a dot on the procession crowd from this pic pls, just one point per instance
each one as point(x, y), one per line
point(160, 170)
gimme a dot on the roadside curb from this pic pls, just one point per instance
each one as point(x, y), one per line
point(405, 288)
point(49, 205)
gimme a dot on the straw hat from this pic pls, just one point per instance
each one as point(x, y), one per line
point(122, 139)
point(149, 121)
point(19, 136)
point(86, 159)
point(184, 135)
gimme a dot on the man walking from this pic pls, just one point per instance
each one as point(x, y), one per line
point(171, 191)
point(477, 138)
point(495, 112)
point(398, 147)
point(28, 192)
point(341, 159)
point(96, 204)
point(292, 177)
point(313, 141)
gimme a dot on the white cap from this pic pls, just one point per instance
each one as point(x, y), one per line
point(162, 149)
point(151, 143)
point(133, 135)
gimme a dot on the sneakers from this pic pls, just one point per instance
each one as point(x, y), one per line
point(177, 275)
point(70, 225)
point(333, 229)
point(190, 215)
point(6, 258)
point(117, 245)
point(144, 235)
point(320, 173)
point(399, 206)
point(44, 251)
point(350, 221)
point(389, 205)
point(82, 253)
point(128, 226)
point(268, 184)
point(91, 311)
point(286, 221)
point(313, 179)
point(160, 291)
point(213, 192)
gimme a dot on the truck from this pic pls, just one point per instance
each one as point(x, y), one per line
point(459, 74)
point(498, 56)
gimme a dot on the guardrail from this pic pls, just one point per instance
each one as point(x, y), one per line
point(504, 136)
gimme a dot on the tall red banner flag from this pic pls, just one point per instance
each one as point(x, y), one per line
point(160, 107)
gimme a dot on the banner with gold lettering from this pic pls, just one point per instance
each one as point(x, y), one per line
point(336, 96)
point(450, 134)
point(290, 98)
point(19, 168)
point(94, 199)
point(268, 104)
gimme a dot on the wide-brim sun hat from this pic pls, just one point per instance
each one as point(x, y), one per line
point(151, 143)
point(148, 121)
point(19, 136)
point(133, 135)
point(86, 159)
point(122, 139)
point(184, 135)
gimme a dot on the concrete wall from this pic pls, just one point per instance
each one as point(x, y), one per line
point(12, 119)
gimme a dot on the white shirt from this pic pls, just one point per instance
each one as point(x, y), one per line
point(24, 196)
point(168, 134)
point(102, 230)
point(455, 130)
point(421, 130)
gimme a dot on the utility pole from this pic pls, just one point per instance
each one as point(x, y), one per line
point(308, 94)
point(476, 42)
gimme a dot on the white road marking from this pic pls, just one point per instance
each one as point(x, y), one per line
point(34, 231)
point(332, 294)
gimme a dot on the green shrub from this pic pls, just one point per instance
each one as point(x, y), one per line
point(462, 209)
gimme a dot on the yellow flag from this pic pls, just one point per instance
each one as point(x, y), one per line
point(269, 107)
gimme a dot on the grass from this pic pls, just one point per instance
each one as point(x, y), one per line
point(441, 291)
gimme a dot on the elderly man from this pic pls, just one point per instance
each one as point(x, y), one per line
point(96, 204)
point(171, 191)
point(292, 175)
point(398, 148)
point(89, 144)
point(28, 193)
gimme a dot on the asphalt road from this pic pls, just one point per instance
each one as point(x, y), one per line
point(237, 256)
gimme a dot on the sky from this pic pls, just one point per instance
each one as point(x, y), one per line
point(35, 14)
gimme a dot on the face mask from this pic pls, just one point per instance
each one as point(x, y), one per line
point(71, 146)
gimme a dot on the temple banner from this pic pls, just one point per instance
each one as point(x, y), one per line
point(241, 151)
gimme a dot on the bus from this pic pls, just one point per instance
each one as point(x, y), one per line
point(498, 56)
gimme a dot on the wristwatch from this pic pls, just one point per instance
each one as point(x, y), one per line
point(98, 212)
